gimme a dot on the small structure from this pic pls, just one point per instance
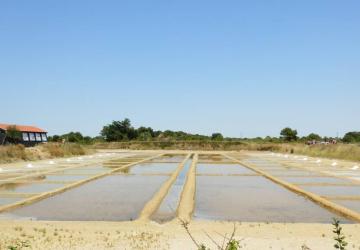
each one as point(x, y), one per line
point(30, 135)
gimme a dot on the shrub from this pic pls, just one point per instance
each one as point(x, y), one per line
point(352, 137)
point(7, 153)
point(61, 150)
point(289, 134)
point(13, 135)
point(339, 238)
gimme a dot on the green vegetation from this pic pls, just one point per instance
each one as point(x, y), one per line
point(352, 137)
point(123, 131)
point(74, 137)
point(288, 134)
point(217, 137)
point(13, 135)
point(119, 131)
point(339, 238)
point(313, 137)
point(19, 244)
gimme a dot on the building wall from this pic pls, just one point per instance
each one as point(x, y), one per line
point(27, 138)
point(2, 137)
point(31, 139)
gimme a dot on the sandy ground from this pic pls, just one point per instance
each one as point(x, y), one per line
point(150, 235)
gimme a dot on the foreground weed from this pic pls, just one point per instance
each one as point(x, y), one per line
point(233, 245)
point(227, 243)
point(305, 247)
point(19, 245)
point(203, 247)
point(339, 236)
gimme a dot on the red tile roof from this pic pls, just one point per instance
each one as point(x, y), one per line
point(23, 128)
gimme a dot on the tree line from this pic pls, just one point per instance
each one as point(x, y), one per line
point(124, 131)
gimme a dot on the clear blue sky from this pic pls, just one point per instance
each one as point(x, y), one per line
point(242, 68)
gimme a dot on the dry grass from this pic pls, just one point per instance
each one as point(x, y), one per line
point(7, 153)
point(61, 150)
point(14, 153)
point(338, 151)
point(174, 145)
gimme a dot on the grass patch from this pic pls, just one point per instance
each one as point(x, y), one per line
point(14, 153)
point(8, 153)
point(339, 151)
point(61, 150)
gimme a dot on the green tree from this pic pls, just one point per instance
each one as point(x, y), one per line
point(119, 131)
point(73, 137)
point(144, 132)
point(352, 137)
point(54, 138)
point(144, 136)
point(13, 135)
point(217, 137)
point(289, 134)
point(313, 137)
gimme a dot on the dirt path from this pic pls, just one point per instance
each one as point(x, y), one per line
point(187, 200)
point(155, 202)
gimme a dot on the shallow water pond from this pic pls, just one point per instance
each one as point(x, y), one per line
point(312, 179)
point(66, 177)
point(153, 168)
point(29, 188)
point(351, 204)
point(112, 198)
point(334, 190)
point(170, 158)
point(222, 169)
point(6, 200)
point(85, 171)
point(167, 209)
point(253, 199)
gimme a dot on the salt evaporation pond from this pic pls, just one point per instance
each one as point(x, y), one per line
point(253, 199)
point(167, 209)
point(112, 198)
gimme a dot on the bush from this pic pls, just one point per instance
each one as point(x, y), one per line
point(13, 135)
point(289, 134)
point(7, 153)
point(61, 150)
point(352, 137)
